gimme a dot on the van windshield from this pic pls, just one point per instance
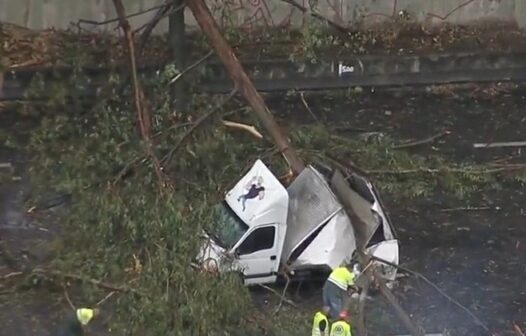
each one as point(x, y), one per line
point(228, 228)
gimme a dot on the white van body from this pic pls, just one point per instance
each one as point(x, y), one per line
point(263, 228)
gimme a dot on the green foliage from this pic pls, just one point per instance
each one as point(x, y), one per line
point(314, 37)
point(395, 171)
point(134, 232)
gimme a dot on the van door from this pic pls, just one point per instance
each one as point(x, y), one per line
point(258, 256)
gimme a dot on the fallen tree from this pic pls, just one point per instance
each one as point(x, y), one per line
point(145, 239)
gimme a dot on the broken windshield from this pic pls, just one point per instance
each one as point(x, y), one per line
point(229, 228)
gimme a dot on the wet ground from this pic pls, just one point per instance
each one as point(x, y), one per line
point(475, 256)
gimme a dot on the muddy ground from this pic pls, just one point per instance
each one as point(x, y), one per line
point(477, 257)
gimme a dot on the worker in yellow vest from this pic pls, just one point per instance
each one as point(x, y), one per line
point(340, 281)
point(342, 326)
point(320, 324)
point(75, 323)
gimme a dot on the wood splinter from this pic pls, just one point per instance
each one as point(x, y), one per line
point(248, 128)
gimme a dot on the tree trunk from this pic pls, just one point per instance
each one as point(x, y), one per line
point(242, 82)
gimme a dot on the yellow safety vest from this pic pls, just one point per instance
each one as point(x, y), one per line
point(341, 328)
point(342, 277)
point(316, 324)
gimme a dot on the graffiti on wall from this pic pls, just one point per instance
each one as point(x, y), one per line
point(264, 13)
point(276, 13)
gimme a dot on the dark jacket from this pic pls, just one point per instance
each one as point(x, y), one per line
point(71, 326)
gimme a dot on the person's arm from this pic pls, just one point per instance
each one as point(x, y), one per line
point(351, 285)
point(322, 326)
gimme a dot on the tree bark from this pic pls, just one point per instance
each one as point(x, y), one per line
point(339, 187)
point(400, 312)
point(242, 82)
point(144, 117)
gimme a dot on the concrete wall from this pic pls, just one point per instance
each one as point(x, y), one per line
point(41, 14)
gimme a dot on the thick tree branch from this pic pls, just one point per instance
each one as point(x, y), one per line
point(242, 82)
point(140, 100)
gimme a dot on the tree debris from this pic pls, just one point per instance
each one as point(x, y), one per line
point(243, 83)
point(423, 141)
point(317, 15)
point(304, 102)
point(6, 165)
point(192, 66)
point(49, 274)
point(400, 312)
point(496, 208)
point(163, 11)
point(118, 18)
point(106, 298)
point(339, 187)
point(250, 129)
point(500, 144)
point(438, 289)
point(517, 330)
point(140, 100)
point(446, 170)
point(168, 157)
point(290, 302)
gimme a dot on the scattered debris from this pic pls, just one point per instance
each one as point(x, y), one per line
point(109, 295)
point(496, 208)
point(6, 165)
point(143, 113)
point(500, 169)
point(242, 82)
point(500, 144)
point(192, 66)
point(168, 157)
point(282, 298)
point(304, 102)
point(423, 141)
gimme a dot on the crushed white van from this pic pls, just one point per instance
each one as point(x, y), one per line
point(264, 230)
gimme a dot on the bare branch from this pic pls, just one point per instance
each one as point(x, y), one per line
point(279, 295)
point(168, 157)
point(98, 283)
point(446, 170)
point(317, 15)
point(423, 141)
point(163, 12)
point(66, 295)
point(140, 100)
point(438, 289)
point(101, 23)
point(243, 83)
point(192, 66)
